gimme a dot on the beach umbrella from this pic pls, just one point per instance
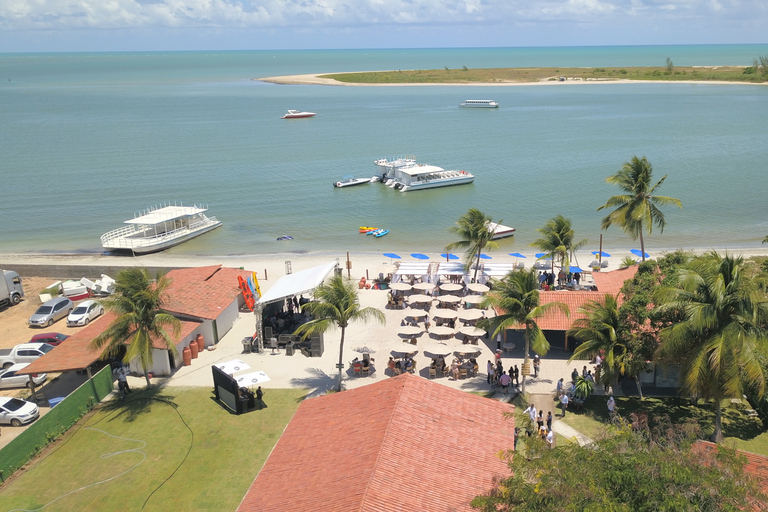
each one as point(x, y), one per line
point(449, 256)
point(575, 270)
point(469, 349)
point(438, 349)
point(478, 287)
point(444, 313)
point(409, 330)
point(544, 256)
point(474, 299)
point(638, 252)
point(516, 255)
point(400, 287)
point(419, 298)
point(485, 257)
point(419, 256)
point(405, 348)
point(450, 287)
point(443, 331)
point(470, 314)
point(601, 253)
point(392, 255)
point(449, 299)
point(424, 287)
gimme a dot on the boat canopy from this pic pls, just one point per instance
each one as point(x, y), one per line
point(165, 214)
point(417, 170)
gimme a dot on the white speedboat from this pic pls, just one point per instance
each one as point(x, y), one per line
point(296, 114)
point(422, 177)
point(479, 104)
point(349, 181)
point(159, 228)
point(500, 231)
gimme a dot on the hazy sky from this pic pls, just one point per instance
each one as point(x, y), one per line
point(101, 25)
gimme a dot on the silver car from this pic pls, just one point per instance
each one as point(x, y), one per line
point(9, 378)
point(51, 311)
point(84, 313)
point(17, 412)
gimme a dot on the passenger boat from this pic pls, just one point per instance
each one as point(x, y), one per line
point(387, 167)
point(479, 104)
point(500, 231)
point(159, 228)
point(296, 114)
point(349, 181)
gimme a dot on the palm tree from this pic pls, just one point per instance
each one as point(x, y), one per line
point(558, 241)
point(138, 302)
point(637, 210)
point(336, 304)
point(720, 334)
point(516, 302)
point(599, 332)
point(472, 228)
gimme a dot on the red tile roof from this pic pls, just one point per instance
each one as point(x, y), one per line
point(556, 320)
point(203, 292)
point(404, 443)
point(75, 353)
point(756, 466)
point(611, 282)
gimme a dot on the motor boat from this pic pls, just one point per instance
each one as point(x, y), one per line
point(479, 104)
point(349, 181)
point(296, 114)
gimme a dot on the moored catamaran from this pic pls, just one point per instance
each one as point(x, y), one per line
point(405, 174)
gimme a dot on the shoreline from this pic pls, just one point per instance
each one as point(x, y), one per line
point(315, 79)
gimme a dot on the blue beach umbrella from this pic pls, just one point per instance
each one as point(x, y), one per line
point(601, 253)
point(541, 255)
point(516, 255)
point(575, 270)
point(419, 256)
point(485, 257)
point(391, 255)
point(449, 256)
point(638, 252)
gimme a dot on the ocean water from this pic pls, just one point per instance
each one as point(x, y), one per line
point(86, 140)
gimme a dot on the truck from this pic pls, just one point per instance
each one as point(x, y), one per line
point(11, 291)
point(24, 353)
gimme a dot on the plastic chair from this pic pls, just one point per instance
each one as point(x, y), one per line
point(357, 369)
point(462, 373)
point(366, 370)
point(432, 373)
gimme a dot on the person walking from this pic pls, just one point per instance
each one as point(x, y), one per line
point(531, 412)
point(564, 403)
point(560, 387)
point(549, 421)
point(504, 380)
point(536, 366)
point(517, 376)
point(490, 369)
point(259, 395)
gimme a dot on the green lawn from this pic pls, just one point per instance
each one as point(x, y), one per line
point(197, 455)
point(744, 432)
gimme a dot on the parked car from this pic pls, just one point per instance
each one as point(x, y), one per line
point(84, 313)
point(17, 412)
point(9, 378)
point(24, 353)
point(50, 311)
point(51, 338)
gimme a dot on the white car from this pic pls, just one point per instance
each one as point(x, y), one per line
point(9, 379)
point(84, 313)
point(17, 412)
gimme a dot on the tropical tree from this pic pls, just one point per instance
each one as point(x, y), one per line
point(472, 229)
point(336, 304)
point(558, 241)
point(138, 303)
point(516, 302)
point(720, 336)
point(599, 331)
point(638, 209)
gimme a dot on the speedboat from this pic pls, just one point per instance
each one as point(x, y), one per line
point(479, 104)
point(500, 231)
point(160, 227)
point(296, 114)
point(349, 181)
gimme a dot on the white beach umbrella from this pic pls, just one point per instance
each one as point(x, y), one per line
point(449, 299)
point(424, 287)
point(478, 287)
point(443, 331)
point(450, 287)
point(470, 314)
point(405, 348)
point(474, 299)
point(438, 349)
point(444, 313)
point(419, 298)
point(472, 331)
point(400, 287)
point(410, 330)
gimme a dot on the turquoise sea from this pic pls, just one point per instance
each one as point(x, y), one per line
point(87, 139)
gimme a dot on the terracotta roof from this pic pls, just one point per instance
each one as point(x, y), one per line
point(75, 353)
point(756, 466)
point(556, 320)
point(611, 282)
point(203, 292)
point(404, 443)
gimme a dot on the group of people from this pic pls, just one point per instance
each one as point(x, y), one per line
point(405, 364)
point(564, 280)
point(543, 425)
point(499, 378)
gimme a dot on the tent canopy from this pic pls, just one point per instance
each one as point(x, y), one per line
point(298, 283)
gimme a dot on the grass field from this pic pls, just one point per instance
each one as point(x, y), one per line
point(740, 430)
point(522, 75)
point(173, 449)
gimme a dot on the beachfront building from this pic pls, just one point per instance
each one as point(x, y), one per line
point(405, 443)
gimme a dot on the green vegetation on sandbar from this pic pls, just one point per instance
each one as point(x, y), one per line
point(523, 75)
point(189, 453)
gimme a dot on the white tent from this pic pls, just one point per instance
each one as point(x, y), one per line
point(298, 283)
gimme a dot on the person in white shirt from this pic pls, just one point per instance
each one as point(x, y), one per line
point(611, 406)
point(531, 411)
point(550, 438)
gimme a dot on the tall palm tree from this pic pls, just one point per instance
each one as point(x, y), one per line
point(517, 303)
point(637, 210)
point(336, 304)
point(721, 332)
point(138, 302)
point(558, 241)
point(599, 331)
point(472, 229)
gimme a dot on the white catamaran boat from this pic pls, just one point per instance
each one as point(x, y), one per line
point(479, 104)
point(500, 231)
point(405, 174)
point(159, 228)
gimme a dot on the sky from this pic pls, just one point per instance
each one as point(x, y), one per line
point(145, 25)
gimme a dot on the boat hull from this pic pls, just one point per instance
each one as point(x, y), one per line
point(351, 183)
point(437, 184)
